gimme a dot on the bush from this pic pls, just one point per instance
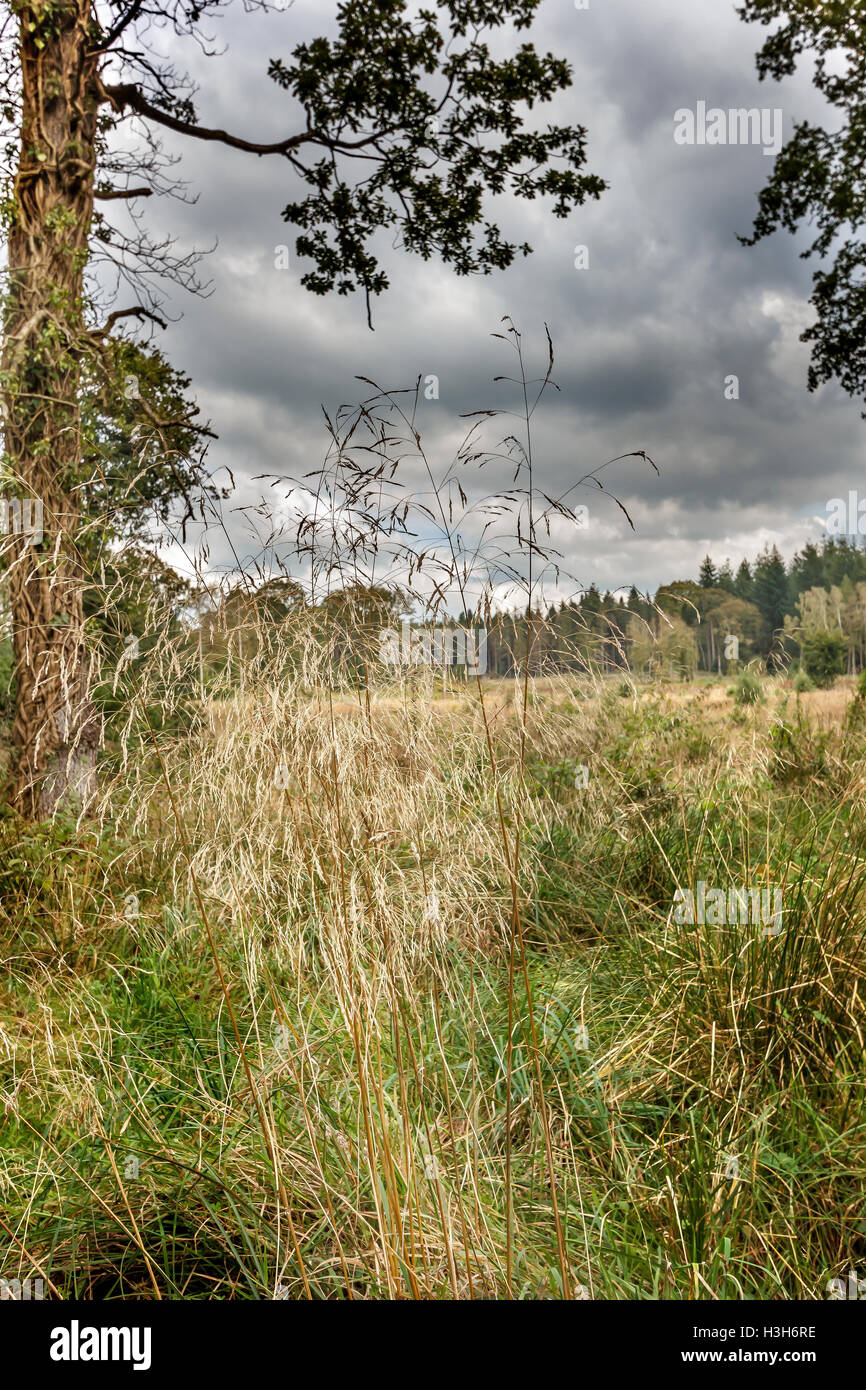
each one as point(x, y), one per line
point(803, 682)
point(747, 689)
point(797, 753)
point(856, 716)
point(824, 657)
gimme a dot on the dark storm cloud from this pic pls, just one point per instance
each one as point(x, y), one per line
point(670, 306)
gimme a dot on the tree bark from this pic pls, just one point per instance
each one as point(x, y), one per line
point(56, 731)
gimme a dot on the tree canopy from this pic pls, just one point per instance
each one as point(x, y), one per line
point(819, 178)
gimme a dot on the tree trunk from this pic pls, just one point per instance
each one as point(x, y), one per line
point(56, 731)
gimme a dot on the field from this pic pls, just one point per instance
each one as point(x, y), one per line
point(384, 995)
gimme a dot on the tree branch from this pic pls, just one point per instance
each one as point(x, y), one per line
point(137, 312)
point(124, 21)
point(125, 94)
point(105, 195)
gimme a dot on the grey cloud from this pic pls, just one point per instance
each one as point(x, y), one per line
point(644, 338)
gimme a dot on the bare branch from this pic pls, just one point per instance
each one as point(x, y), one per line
point(127, 95)
point(137, 312)
point(107, 194)
point(117, 30)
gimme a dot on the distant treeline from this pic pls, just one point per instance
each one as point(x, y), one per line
point(812, 610)
point(766, 611)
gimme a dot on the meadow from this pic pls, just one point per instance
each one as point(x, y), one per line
point(378, 993)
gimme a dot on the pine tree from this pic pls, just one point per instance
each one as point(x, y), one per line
point(707, 577)
point(771, 588)
point(743, 584)
point(807, 570)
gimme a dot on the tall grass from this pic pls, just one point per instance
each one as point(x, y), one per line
point(703, 1085)
point(351, 987)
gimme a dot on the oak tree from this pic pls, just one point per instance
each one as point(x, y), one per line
point(400, 118)
point(819, 177)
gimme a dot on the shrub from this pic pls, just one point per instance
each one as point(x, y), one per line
point(856, 715)
point(803, 682)
point(824, 657)
point(747, 689)
point(797, 753)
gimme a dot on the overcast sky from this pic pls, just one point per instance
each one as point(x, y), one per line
point(670, 305)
